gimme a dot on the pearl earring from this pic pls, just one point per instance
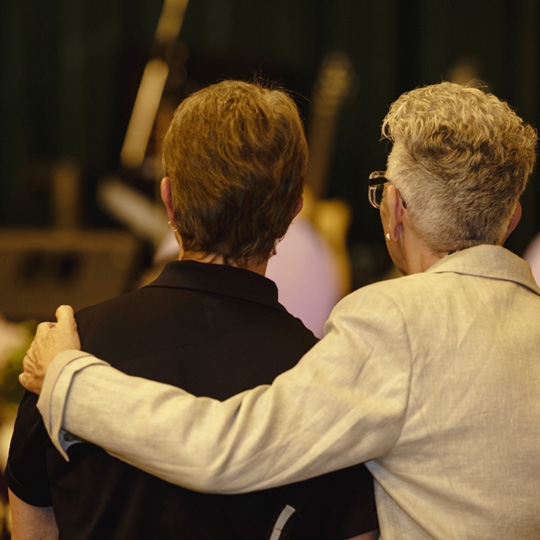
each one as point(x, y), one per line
point(169, 224)
point(388, 236)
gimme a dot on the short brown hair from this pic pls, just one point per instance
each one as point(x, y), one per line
point(461, 160)
point(236, 155)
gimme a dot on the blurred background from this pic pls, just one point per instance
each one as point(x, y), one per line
point(79, 217)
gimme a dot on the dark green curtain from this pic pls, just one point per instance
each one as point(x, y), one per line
point(70, 70)
point(63, 64)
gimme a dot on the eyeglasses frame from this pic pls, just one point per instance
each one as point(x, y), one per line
point(377, 179)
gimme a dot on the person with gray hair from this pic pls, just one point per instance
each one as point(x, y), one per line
point(464, 158)
point(433, 378)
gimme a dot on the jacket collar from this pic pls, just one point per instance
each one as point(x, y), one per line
point(490, 261)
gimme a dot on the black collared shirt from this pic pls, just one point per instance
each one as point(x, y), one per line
point(214, 331)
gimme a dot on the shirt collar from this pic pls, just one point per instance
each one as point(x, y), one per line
point(221, 280)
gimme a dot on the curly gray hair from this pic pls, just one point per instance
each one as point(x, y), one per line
point(461, 159)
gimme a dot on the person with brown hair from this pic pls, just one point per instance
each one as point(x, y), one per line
point(237, 161)
point(235, 157)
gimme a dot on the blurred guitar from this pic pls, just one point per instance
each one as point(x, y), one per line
point(331, 217)
point(311, 266)
point(144, 216)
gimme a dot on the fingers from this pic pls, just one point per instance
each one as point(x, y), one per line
point(42, 327)
point(23, 380)
point(50, 339)
point(27, 378)
point(28, 383)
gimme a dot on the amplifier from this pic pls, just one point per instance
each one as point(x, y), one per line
point(41, 269)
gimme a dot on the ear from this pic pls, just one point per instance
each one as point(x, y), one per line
point(166, 197)
point(513, 222)
point(395, 213)
point(299, 206)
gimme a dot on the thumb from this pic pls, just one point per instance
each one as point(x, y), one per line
point(65, 317)
point(66, 329)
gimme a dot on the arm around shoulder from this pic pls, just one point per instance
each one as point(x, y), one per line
point(353, 385)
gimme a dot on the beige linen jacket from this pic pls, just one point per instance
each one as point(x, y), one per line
point(433, 379)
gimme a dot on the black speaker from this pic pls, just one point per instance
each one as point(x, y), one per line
point(41, 269)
